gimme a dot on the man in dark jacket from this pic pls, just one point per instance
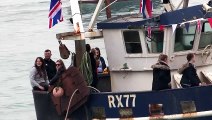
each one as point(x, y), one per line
point(190, 77)
point(161, 74)
point(93, 65)
point(50, 64)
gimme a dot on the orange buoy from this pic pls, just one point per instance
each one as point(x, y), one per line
point(58, 92)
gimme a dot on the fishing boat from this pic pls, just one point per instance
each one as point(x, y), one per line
point(131, 51)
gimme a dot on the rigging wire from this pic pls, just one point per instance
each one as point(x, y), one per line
point(109, 5)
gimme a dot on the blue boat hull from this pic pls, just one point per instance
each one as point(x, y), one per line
point(134, 104)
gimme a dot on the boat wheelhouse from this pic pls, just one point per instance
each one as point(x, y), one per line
point(127, 42)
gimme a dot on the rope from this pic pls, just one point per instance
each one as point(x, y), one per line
point(94, 88)
point(72, 98)
point(70, 103)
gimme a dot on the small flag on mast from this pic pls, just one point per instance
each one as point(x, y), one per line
point(146, 8)
point(55, 13)
point(210, 21)
point(149, 32)
point(198, 26)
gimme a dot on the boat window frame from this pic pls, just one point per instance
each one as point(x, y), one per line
point(202, 28)
point(194, 41)
point(145, 40)
point(133, 55)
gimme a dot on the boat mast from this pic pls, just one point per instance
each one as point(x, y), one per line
point(79, 30)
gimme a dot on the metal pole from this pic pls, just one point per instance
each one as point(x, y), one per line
point(108, 10)
point(179, 4)
point(95, 14)
point(172, 117)
point(185, 4)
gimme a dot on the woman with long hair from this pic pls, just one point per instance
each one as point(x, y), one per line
point(60, 66)
point(38, 75)
point(101, 61)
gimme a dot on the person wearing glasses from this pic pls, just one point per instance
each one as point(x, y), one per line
point(38, 75)
point(60, 67)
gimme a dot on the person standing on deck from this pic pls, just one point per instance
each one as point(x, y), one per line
point(50, 64)
point(161, 74)
point(189, 72)
point(88, 67)
point(101, 61)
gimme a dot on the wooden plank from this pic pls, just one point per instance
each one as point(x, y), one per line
point(77, 36)
point(68, 36)
point(80, 50)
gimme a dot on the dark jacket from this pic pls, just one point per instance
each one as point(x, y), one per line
point(103, 63)
point(71, 80)
point(56, 78)
point(94, 70)
point(50, 68)
point(161, 76)
point(190, 77)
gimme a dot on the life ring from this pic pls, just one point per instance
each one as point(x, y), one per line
point(58, 92)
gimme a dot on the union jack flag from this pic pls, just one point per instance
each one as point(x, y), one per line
point(55, 13)
point(146, 8)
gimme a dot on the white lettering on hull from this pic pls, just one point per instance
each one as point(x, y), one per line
point(121, 101)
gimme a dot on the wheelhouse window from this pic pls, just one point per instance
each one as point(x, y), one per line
point(184, 40)
point(132, 42)
point(206, 35)
point(155, 43)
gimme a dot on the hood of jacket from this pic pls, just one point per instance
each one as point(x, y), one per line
point(185, 66)
point(160, 65)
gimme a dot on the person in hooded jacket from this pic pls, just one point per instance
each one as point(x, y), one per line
point(161, 74)
point(188, 70)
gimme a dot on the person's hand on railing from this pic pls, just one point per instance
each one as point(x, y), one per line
point(202, 84)
point(42, 88)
